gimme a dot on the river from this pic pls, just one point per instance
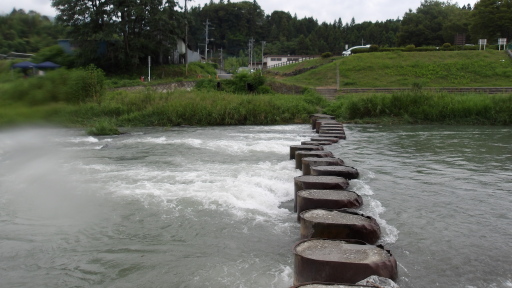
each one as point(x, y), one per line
point(211, 207)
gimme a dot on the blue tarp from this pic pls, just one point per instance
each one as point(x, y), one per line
point(24, 65)
point(47, 64)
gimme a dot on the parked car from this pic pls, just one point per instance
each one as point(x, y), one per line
point(349, 51)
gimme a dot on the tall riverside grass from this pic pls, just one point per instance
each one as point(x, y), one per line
point(425, 107)
point(202, 108)
point(150, 108)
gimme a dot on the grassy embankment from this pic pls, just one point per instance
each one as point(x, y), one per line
point(304, 64)
point(489, 68)
point(418, 69)
point(59, 98)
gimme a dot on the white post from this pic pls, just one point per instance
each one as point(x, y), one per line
point(149, 68)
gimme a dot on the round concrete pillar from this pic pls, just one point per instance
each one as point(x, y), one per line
point(346, 172)
point(295, 148)
point(338, 224)
point(339, 136)
point(299, 155)
point(318, 183)
point(330, 139)
point(327, 199)
point(316, 143)
point(309, 162)
point(341, 261)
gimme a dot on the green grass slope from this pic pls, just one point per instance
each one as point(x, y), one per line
point(304, 64)
point(403, 69)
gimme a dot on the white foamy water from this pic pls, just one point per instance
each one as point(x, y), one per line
point(211, 207)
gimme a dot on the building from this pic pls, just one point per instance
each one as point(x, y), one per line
point(271, 61)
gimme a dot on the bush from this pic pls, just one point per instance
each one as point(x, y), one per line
point(374, 48)
point(447, 45)
point(54, 54)
point(312, 97)
point(87, 83)
point(53, 87)
point(103, 127)
point(410, 47)
point(327, 55)
point(206, 84)
point(244, 82)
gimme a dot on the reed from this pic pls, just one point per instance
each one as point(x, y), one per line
point(150, 108)
point(418, 106)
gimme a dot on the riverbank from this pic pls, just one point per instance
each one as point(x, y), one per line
point(424, 107)
point(150, 108)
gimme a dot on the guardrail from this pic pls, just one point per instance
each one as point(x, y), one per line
point(291, 62)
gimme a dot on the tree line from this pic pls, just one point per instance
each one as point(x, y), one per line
point(120, 34)
point(27, 32)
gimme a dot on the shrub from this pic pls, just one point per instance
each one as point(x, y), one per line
point(374, 48)
point(54, 54)
point(410, 47)
point(327, 55)
point(244, 82)
point(447, 45)
point(206, 84)
point(86, 83)
point(103, 127)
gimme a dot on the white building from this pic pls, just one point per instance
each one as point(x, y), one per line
point(271, 61)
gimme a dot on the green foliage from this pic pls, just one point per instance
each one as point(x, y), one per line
point(418, 106)
point(410, 47)
point(24, 32)
point(231, 64)
point(103, 127)
point(206, 84)
point(119, 35)
point(245, 83)
point(447, 45)
point(150, 108)
point(54, 54)
point(53, 87)
point(327, 55)
point(374, 48)
point(491, 20)
point(87, 83)
point(314, 98)
point(433, 23)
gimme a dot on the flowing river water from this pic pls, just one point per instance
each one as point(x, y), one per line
point(211, 207)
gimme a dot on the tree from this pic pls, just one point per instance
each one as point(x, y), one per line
point(425, 26)
point(115, 33)
point(491, 20)
point(27, 32)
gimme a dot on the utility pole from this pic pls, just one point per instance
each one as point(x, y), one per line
point(251, 47)
point(207, 40)
point(221, 61)
point(262, 59)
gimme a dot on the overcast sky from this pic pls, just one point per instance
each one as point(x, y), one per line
point(321, 10)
